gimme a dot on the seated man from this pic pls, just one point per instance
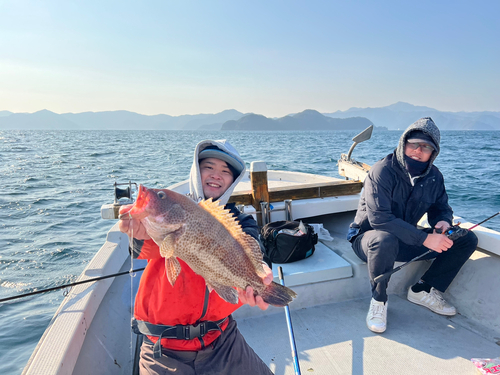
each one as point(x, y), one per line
point(217, 168)
point(398, 191)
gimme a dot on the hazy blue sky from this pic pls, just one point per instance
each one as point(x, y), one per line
point(266, 57)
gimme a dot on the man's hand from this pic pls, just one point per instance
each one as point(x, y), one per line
point(441, 226)
point(132, 227)
point(247, 296)
point(437, 241)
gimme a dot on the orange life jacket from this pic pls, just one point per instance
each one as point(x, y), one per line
point(157, 302)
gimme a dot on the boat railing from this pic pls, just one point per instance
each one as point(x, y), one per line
point(302, 191)
point(260, 196)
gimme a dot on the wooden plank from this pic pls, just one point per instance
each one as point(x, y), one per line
point(260, 193)
point(320, 190)
point(242, 197)
point(302, 191)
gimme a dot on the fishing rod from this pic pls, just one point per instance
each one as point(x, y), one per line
point(290, 328)
point(70, 285)
point(491, 217)
point(452, 233)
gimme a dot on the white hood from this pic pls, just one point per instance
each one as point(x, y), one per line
point(195, 186)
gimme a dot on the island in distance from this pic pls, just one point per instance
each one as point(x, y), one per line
point(396, 116)
point(306, 120)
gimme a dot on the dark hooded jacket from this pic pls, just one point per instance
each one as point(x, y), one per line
point(393, 201)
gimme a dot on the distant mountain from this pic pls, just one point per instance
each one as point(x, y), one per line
point(41, 120)
point(249, 122)
point(395, 116)
point(112, 120)
point(306, 120)
point(5, 113)
point(212, 121)
point(400, 115)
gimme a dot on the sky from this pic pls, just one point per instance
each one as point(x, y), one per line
point(267, 57)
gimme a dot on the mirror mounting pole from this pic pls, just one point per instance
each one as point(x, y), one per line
point(361, 137)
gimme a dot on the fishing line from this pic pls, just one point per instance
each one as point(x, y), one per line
point(131, 278)
point(69, 285)
point(134, 352)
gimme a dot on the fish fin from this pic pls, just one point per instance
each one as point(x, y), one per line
point(277, 295)
point(259, 265)
point(227, 293)
point(228, 220)
point(167, 246)
point(217, 210)
point(173, 269)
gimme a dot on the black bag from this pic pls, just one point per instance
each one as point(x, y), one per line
point(284, 247)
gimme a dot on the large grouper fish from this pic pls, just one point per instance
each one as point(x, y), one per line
point(209, 239)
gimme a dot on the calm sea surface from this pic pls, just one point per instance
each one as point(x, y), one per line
point(53, 184)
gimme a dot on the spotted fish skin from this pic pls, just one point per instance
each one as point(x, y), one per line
point(210, 240)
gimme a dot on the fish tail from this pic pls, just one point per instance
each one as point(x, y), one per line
point(277, 295)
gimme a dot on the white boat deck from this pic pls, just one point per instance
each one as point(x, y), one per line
point(333, 339)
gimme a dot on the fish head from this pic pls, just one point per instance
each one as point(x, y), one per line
point(152, 203)
point(161, 211)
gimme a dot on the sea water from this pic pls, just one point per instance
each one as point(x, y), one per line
point(53, 184)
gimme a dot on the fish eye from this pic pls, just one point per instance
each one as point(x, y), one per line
point(161, 195)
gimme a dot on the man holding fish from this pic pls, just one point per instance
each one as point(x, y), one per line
point(204, 262)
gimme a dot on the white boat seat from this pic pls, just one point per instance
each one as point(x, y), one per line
point(323, 265)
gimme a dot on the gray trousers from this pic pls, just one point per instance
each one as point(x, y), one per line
point(381, 249)
point(228, 355)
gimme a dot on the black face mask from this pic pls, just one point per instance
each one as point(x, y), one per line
point(415, 167)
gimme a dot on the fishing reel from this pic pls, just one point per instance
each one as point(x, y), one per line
point(122, 197)
point(454, 232)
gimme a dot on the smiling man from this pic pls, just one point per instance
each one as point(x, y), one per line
point(216, 176)
point(188, 329)
point(218, 170)
point(398, 191)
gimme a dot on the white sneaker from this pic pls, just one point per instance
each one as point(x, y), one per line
point(376, 320)
point(433, 300)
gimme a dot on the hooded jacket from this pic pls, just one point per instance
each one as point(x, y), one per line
point(394, 202)
point(188, 302)
point(195, 186)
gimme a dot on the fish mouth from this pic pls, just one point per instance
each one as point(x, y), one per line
point(140, 204)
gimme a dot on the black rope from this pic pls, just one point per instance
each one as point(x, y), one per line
point(69, 285)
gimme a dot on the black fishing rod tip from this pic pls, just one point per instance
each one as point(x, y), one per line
point(280, 272)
